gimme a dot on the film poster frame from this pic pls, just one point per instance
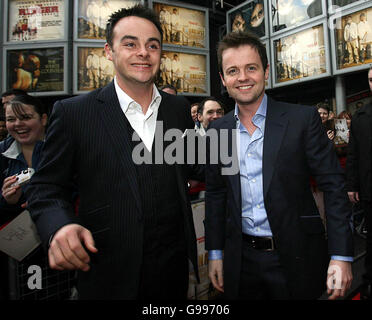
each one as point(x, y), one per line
point(26, 47)
point(327, 73)
point(76, 67)
point(297, 25)
point(242, 6)
point(337, 47)
point(335, 8)
point(65, 26)
point(207, 71)
point(76, 21)
point(187, 7)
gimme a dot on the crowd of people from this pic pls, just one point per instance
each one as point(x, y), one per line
point(127, 226)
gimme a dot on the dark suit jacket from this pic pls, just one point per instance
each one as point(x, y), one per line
point(87, 143)
point(295, 147)
point(359, 158)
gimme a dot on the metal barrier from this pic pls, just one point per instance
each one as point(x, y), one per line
point(53, 284)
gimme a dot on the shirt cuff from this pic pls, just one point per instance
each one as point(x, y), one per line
point(342, 258)
point(215, 255)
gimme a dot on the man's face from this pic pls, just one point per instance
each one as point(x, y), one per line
point(257, 15)
point(212, 111)
point(136, 51)
point(194, 113)
point(370, 79)
point(238, 23)
point(243, 75)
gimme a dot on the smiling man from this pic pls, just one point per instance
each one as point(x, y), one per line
point(134, 233)
point(263, 230)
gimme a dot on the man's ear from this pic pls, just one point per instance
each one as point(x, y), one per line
point(108, 51)
point(223, 81)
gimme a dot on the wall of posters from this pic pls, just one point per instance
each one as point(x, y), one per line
point(185, 71)
point(290, 13)
point(93, 16)
point(354, 40)
point(182, 26)
point(249, 16)
point(94, 69)
point(35, 70)
point(300, 55)
point(36, 20)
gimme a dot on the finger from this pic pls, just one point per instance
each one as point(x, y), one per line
point(79, 252)
point(69, 256)
point(335, 294)
point(52, 262)
point(357, 196)
point(60, 261)
point(87, 238)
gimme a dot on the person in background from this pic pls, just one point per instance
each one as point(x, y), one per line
point(3, 130)
point(358, 177)
point(10, 94)
point(194, 112)
point(210, 109)
point(323, 110)
point(169, 89)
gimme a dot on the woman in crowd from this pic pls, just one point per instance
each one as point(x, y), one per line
point(324, 111)
point(26, 120)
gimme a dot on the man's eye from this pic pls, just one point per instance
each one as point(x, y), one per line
point(154, 46)
point(129, 44)
point(232, 71)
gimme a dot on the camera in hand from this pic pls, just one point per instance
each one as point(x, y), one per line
point(23, 177)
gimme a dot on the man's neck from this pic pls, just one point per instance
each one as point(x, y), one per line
point(247, 111)
point(141, 93)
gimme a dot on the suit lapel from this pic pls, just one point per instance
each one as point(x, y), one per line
point(113, 119)
point(275, 127)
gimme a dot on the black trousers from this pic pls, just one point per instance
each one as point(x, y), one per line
point(262, 276)
point(367, 208)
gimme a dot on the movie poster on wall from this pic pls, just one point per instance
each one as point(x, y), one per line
point(94, 69)
point(36, 20)
point(354, 40)
point(300, 55)
point(182, 26)
point(185, 71)
point(249, 17)
point(36, 70)
point(291, 13)
point(94, 14)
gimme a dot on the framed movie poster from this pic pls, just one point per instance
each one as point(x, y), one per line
point(92, 70)
point(186, 71)
point(289, 14)
point(36, 69)
point(300, 56)
point(352, 39)
point(185, 25)
point(91, 17)
point(249, 16)
point(35, 20)
point(333, 5)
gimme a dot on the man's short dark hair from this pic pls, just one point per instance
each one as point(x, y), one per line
point(15, 92)
point(136, 11)
point(202, 104)
point(240, 38)
point(169, 86)
point(323, 105)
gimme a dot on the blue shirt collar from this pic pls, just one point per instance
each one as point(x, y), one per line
point(262, 109)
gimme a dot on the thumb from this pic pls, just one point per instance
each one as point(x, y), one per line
point(87, 238)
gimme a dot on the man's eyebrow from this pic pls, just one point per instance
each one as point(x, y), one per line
point(129, 37)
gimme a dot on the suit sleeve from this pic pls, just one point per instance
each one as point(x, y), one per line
point(51, 189)
point(325, 168)
point(352, 178)
point(215, 205)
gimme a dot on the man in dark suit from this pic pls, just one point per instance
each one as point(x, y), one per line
point(263, 230)
point(134, 232)
point(358, 173)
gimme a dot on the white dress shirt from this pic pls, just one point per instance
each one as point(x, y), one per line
point(143, 124)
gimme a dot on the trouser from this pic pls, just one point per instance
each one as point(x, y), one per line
point(367, 208)
point(262, 276)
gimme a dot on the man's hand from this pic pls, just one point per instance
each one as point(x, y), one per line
point(11, 194)
point(66, 250)
point(353, 196)
point(339, 278)
point(215, 268)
